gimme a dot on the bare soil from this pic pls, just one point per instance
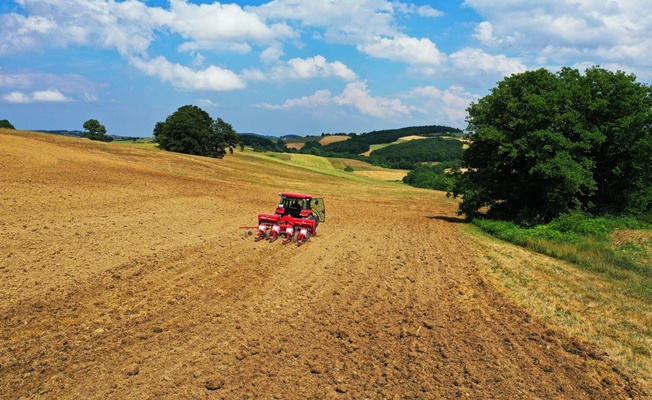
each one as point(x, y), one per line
point(124, 275)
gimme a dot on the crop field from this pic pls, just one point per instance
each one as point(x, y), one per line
point(333, 139)
point(125, 275)
point(298, 143)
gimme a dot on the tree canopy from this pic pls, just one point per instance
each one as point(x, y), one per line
point(191, 130)
point(95, 131)
point(4, 123)
point(547, 143)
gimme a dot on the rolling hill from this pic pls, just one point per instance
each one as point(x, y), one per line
point(125, 275)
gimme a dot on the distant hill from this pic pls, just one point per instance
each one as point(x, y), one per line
point(61, 132)
point(359, 144)
point(64, 132)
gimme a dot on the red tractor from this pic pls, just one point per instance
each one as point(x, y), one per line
point(296, 219)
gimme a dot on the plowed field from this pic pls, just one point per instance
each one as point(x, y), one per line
point(124, 275)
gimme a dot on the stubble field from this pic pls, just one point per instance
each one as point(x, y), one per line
point(124, 275)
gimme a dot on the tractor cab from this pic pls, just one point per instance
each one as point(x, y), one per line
point(299, 205)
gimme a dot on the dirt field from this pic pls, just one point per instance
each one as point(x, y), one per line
point(124, 275)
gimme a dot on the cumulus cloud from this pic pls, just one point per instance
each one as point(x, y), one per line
point(406, 49)
point(271, 54)
point(303, 68)
point(212, 78)
point(484, 32)
point(41, 96)
point(476, 61)
point(447, 106)
point(318, 99)
point(208, 26)
point(342, 21)
point(122, 26)
point(427, 11)
point(50, 95)
point(318, 66)
point(608, 30)
point(17, 97)
point(409, 8)
point(357, 95)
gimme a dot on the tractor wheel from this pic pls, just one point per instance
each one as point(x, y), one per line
point(316, 219)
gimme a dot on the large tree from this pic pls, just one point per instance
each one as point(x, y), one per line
point(190, 130)
point(545, 143)
point(94, 130)
point(6, 124)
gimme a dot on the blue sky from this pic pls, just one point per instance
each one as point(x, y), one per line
point(295, 66)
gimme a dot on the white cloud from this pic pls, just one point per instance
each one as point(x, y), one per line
point(208, 103)
point(476, 61)
point(484, 32)
point(212, 78)
point(50, 96)
point(42, 84)
point(319, 99)
point(318, 66)
point(123, 26)
point(342, 21)
point(303, 68)
point(357, 95)
point(130, 26)
point(15, 80)
point(41, 96)
point(427, 11)
point(17, 97)
point(225, 26)
point(271, 54)
point(423, 11)
point(565, 32)
point(406, 49)
point(446, 106)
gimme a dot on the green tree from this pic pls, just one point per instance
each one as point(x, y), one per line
point(220, 138)
point(544, 144)
point(621, 109)
point(94, 130)
point(6, 124)
point(190, 130)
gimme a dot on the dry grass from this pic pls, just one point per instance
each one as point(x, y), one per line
point(582, 303)
point(297, 146)
point(409, 138)
point(388, 175)
point(636, 243)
